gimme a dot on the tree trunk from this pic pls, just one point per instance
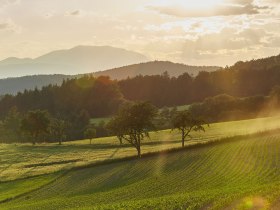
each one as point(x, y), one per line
point(139, 151)
point(90, 141)
point(35, 136)
point(139, 146)
point(183, 138)
point(120, 139)
point(59, 142)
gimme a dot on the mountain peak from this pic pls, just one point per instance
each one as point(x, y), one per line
point(77, 60)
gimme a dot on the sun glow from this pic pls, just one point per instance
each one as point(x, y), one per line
point(194, 4)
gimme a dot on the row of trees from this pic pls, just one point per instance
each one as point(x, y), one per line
point(38, 126)
point(132, 124)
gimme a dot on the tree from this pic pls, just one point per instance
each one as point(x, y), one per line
point(36, 123)
point(57, 129)
point(11, 124)
point(115, 127)
point(185, 122)
point(135, 121)
point(274, 96)
point(90, 133)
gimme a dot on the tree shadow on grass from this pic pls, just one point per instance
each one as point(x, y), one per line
point(153, 143)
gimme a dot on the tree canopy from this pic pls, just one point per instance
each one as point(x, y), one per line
point(134, 121)
point(90, 133)
point(185, 122)
point(36, 124)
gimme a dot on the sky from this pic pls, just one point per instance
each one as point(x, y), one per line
point(195, 32)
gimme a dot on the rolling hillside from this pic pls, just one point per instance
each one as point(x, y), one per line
point(155, 68)
point(240, 173)
point(14, 85)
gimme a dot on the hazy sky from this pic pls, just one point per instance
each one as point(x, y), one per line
point(200, 32)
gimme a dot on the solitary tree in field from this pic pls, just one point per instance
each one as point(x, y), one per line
point(36, 123)
point(57, 129)
point(185, 122)
point(135, 121)
point(90, 133)
point(114, 126)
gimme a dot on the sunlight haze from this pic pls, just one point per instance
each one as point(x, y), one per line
point(195, 32)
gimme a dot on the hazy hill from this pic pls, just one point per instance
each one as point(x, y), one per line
point(78, 60)
point(155, 68)
point(14, 85)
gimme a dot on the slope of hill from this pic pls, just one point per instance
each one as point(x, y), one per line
point(242, 173)
point(78, 60)
point(155, 68)
point(14, 85)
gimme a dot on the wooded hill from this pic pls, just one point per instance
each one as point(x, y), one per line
point(256, 77)
point(15, 85)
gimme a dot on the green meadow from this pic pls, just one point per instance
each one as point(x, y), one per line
point(242, 171)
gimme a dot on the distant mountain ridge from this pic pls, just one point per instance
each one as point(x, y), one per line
point(19, 84)
point(77, 60)
point(14, 85)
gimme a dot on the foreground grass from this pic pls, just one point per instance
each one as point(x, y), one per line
point(240, 173)
point(24, 160)
point(12, 189)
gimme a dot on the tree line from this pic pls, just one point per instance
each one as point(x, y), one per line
point(244, 79)
point(134, 121)
point(41, 126)
point(132, 124)
point(76, 101)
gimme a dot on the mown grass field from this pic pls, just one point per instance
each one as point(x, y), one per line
point(238, 173)
point(47, 162)
point(24, 160)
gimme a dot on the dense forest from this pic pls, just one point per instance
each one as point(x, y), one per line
point(96, 96)
point(241, 80)
point(76, 101)
point(100, 97)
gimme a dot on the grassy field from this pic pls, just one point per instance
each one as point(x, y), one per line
point(24, 160)
point(238, 173)
point(12, 189)
point(25, 168)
